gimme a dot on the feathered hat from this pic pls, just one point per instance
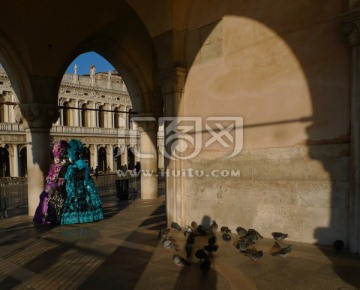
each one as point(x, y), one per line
point(59, 149)
point(75, 149)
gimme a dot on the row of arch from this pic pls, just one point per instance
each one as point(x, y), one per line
point(6, 161)
point(84, 113)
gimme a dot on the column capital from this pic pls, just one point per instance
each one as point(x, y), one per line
point(36, 116)
point(350, 26)
point(172, 81)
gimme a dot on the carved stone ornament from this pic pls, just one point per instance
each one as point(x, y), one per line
point(37, 116)
point(172, 81)
point(350, 26)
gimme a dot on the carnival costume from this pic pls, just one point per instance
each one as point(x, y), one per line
point(83, 203)
point(53, 195)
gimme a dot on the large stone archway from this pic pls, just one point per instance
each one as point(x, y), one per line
point(212, 58)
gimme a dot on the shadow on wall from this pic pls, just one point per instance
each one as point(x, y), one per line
point(328, 138)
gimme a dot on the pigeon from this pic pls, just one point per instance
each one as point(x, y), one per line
point(279, 236)
point(254, 254)
point(163, 233)
point(250, 238)
point(194, 226)
point(180, 262)
point(201, 230)
point(242, 245)
point(175, 226)
point(214, 226)
point(225, 230)
point(212, 240)
point(252, 231)
point(190, 239)
point(276, 247)
point(211, 248)
point(201, 255)
point(241, 231)
point(339, 245)
point(283, 252)
point(205, 265)
point(188, 231)
point(226, 237)
point(169, 244)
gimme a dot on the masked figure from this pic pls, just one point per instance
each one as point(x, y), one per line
point(54, 187)
point(83, 203)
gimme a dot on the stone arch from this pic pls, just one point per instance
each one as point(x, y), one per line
point(22, 161)
point(102, 163)
point(15, 69)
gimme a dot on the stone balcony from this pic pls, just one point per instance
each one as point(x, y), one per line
point(15, 128)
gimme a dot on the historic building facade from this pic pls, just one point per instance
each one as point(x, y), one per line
point(94, 108)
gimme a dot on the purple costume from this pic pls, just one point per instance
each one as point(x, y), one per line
point(54, 184)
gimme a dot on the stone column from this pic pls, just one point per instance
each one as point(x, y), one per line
point(172, 85)
point(350, 29)
point(15, 161)
point(148, 156)
point(37, 120)
point(110, 156)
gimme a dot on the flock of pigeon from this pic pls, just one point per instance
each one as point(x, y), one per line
point(246, 238)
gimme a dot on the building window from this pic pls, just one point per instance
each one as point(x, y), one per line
point(22, 163)
point(102, 159)
point(101, 117)
point(84, 116)
point(116, 118)
point(66, 114)
point(4, 163)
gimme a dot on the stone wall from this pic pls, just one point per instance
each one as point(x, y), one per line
point(301, 190)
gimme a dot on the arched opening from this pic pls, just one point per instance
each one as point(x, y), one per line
point(102, 159)
point(84, 116)
point(86, 155)
point(101, 117)
point(4, 162)
point(116, 118)
point(23, 162)
point(131, 159)
point(128, 117)
point(117, 158)
point(66, 114)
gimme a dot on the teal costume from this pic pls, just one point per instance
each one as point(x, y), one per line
point(83, 203)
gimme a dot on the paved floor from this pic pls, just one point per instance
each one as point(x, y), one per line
point(123, 252)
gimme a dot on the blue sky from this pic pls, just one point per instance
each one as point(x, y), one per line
point(84, 61)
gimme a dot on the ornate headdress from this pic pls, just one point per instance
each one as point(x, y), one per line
point(59, 149)
point(75, 149)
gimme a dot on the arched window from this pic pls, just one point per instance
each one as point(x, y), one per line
point(22, 162)
point(102, 159)
point(131, 159)
point(101, 117)
point(128, 118)
point(117, 158)
point(116, 118)
point(84, 116)
point(4, 162)
point(66, 114)
point(86, 155)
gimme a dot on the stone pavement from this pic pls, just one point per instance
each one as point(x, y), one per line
point(123, 251)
